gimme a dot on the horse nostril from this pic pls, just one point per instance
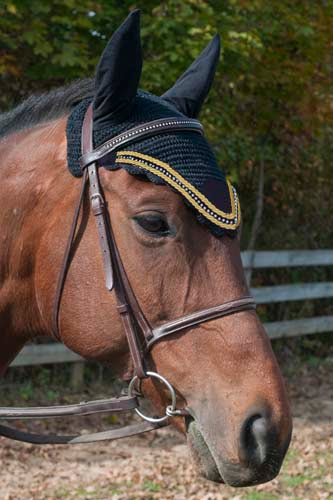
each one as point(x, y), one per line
point(255, 440)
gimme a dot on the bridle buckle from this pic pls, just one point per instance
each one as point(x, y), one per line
point(97, 204)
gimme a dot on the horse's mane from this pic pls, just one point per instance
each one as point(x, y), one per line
point(45, 107)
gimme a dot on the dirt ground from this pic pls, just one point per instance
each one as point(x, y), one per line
point(157, 466)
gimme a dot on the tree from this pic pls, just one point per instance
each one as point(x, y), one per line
point(271, 104)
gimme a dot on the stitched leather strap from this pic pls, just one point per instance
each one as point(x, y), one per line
point(127, 431)
point(97, 199)
point(122, 288)
point(123, 403)
point(196, 318)
point(164, 125)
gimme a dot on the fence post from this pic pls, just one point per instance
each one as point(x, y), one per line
point(77, 375)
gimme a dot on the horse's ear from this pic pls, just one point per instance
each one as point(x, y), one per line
point(118, 73)
point(191, 89)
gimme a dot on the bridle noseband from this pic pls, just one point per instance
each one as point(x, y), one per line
point(141, 336)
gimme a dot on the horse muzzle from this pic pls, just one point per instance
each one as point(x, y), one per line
point(258, 458)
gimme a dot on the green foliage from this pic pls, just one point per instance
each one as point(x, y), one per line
point(260, 495)
point(271, 101)
point(26, 391)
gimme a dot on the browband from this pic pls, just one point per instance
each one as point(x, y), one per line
point(164, 125)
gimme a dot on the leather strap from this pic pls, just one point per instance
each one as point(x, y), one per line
point(198, 317)
point(66, 261)
point(123, 403)
point(164, 125)
point(97, 199)
point(107, 241)
point(127, 431)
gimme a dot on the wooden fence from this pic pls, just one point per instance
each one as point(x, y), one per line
point(58, 353)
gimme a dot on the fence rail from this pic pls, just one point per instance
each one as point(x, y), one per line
point(287, 293)
point(58, 353)
point(287, 258)
point(38, 354)
point(296, 327)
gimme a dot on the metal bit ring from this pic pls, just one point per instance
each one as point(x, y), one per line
point(170, 408)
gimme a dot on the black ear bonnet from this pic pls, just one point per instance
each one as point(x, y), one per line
point(186, 156)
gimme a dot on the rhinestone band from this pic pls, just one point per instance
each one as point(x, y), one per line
point(230, 221)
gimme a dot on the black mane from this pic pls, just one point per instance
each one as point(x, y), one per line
point(45, 107)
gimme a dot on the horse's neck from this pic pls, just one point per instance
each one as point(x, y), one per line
point(32, 182)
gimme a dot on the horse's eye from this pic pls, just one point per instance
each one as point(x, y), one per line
point(155, 224)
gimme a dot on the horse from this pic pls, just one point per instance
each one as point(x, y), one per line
point(180, 256)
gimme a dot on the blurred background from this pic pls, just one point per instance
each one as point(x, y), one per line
point(269, 118)
point(271, 107)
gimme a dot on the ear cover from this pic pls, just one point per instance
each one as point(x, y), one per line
point(118, 73)
point(191, 89)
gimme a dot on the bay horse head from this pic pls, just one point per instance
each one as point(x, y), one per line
point(175, 221)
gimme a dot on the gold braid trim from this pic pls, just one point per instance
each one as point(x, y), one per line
point(222, 219)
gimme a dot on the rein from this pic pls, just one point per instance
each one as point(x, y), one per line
point(141, 336)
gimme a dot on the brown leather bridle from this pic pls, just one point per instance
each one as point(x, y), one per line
point(139, 333)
